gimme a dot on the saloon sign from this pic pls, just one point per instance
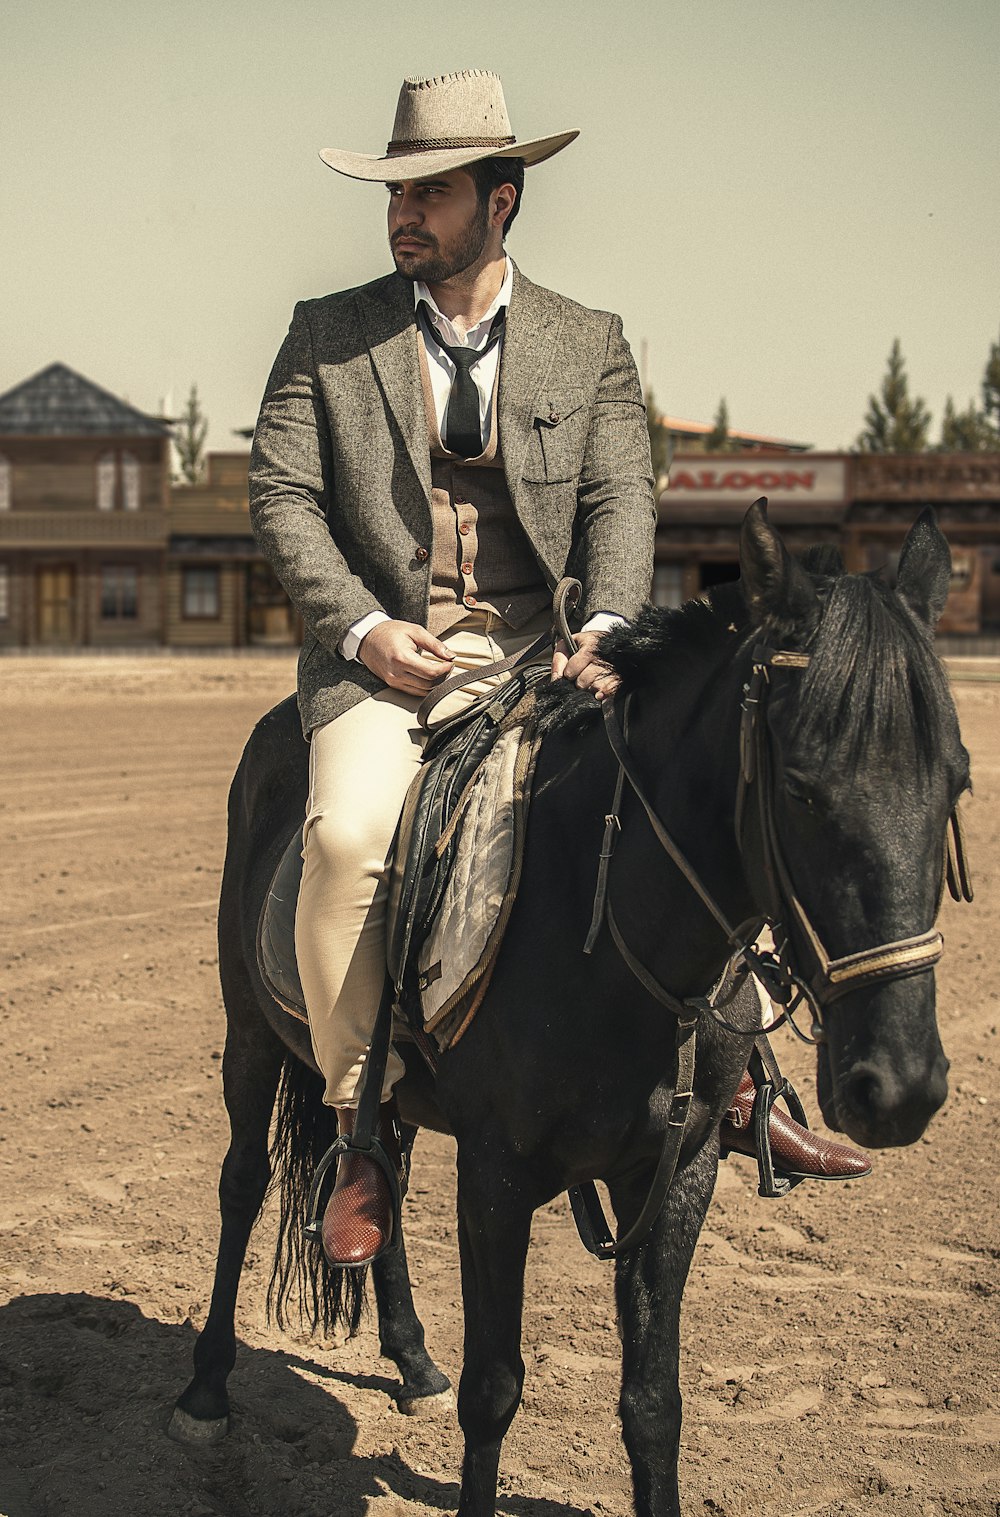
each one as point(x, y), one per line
point(806, 478)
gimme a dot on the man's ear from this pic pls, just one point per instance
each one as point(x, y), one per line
point(779, 593)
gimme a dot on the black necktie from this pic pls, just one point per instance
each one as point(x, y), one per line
point(464, 432)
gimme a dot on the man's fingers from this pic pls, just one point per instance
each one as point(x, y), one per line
point(431, 644)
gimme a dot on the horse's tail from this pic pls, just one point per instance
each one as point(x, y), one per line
point(301, 1281)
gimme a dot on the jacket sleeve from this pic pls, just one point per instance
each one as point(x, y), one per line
point(616, 513)
point(292, 489)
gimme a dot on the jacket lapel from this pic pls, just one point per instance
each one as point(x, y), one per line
point(390, 327)
point(533, 323)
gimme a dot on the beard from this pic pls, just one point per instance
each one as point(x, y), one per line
point(440, 263)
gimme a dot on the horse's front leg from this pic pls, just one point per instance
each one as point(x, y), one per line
point(649, 1283)
point(494, 1224)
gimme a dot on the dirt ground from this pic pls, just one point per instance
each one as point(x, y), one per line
point(841, 1347)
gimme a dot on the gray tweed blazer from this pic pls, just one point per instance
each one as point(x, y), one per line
point(340, 475)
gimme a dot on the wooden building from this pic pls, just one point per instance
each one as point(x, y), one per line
point(220, 590)
point(84, 487)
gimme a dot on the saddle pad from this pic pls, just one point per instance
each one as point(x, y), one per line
point(453, 956)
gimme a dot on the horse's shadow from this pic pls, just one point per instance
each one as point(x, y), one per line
point(86, 1388)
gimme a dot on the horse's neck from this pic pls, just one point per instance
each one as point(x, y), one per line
point(685, 740)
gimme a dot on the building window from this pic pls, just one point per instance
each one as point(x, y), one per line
point(4, 592)
point(668, 585)
point(200, 593)
point(130, 482)
point(4, 483)
point(119, 592)
point(106, 482)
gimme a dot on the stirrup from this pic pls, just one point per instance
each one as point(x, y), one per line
point(375, 1150)
point(773, 1183)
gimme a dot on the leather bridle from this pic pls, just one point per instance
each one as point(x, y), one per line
point(823, 981)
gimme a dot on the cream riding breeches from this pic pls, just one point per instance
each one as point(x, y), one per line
point(360, 767)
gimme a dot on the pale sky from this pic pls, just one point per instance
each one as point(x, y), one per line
point(768, 193)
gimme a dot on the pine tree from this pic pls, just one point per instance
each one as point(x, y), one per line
point(895, 424)
point(189, 439)
point(965, 431)
point(717, 440)
point(991, 392)
point(660, 445)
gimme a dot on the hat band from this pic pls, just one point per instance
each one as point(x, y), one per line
point(428, 144)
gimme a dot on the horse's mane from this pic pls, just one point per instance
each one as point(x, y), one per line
point(873, 679)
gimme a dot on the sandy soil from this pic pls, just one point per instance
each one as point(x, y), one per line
point(842, 1347)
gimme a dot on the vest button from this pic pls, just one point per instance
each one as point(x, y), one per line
point(466, 568)
point(421, 555)
point(465, 529)
point(553, 417)
point(469, 600)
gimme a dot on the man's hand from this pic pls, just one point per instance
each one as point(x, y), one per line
point(586, 668)
point(406, 656)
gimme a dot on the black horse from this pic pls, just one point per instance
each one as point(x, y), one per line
point(568, 1070)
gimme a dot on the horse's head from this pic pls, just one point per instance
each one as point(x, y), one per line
point(863, 766)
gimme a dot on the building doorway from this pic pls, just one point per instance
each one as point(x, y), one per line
point(271, 622)
point(55, 597)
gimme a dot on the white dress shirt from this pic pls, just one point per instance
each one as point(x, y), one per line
point(442, 373)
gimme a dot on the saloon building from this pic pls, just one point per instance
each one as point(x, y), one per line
point(864, 504)
point(99, 550)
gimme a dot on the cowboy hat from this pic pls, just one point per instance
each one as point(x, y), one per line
point(446, 123)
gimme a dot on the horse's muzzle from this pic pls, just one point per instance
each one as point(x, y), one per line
point(876, 1102)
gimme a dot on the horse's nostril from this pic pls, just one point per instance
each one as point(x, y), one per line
point(865, 1092)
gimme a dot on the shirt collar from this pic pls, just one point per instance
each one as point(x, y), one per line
point(476, 335)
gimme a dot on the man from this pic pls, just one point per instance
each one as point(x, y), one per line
point(435, 450)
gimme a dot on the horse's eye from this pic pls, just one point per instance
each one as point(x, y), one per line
point(797, 790)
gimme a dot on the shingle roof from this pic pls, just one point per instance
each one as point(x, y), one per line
point(59, 402)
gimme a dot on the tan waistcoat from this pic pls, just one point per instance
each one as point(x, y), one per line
point(480, 556)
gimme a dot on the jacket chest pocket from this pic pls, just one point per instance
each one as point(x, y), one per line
point(558, 438)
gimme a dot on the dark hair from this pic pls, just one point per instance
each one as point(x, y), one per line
point(490, 173)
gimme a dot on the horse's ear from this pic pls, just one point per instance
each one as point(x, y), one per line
point(778, 591)
point(924, 572)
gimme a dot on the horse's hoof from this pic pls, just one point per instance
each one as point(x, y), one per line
point(183, 1428)
point(427, 1406)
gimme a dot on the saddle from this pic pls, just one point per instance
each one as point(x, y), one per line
point(437, 809)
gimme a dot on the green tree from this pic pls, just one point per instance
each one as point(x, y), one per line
point(718, 440)
point(189, 439)
point(660, 444)
point(991, 392)
point(965, 431)
point(895, 423)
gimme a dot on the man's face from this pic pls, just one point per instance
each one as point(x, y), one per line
point(437, 228)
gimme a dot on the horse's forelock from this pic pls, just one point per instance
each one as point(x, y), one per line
point(873, 681)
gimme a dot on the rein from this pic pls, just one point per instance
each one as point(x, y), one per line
point(826, 980)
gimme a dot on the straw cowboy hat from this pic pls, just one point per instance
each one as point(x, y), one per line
point(445, 123)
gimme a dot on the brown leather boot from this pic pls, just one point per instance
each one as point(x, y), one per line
point(358, 1220)
point(795, 1149)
